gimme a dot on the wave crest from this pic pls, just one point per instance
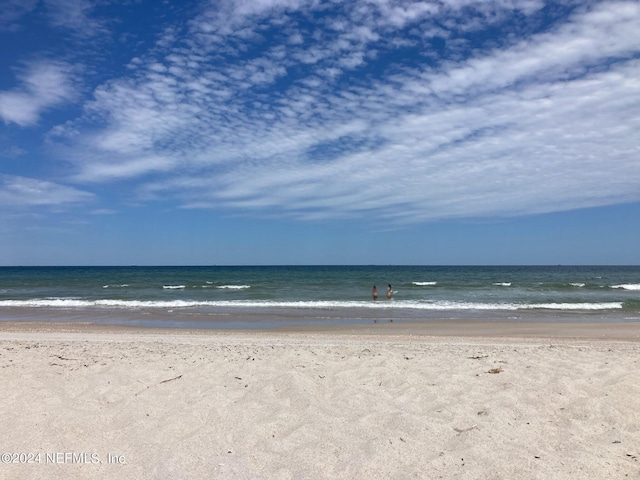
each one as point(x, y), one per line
point(321, 304)
point(628, 286)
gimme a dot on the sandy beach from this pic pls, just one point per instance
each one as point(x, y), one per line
point(386, 401)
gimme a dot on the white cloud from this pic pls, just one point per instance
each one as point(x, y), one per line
point(44, 85)
point(608, 31)
point(13, 152)
point(14, 10)
point(71, 15)
point(103, 211)
point(298, 126)
point(74, 15)
point(16, 191)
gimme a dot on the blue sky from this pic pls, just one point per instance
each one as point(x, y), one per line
point(319, 132)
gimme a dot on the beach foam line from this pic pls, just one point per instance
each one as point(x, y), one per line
point(234, 287)
point(424, 284)
point(575, 306)
point(173, 287)
point(411, 305)
point(502, 284)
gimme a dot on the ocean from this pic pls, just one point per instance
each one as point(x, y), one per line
point(273, 296)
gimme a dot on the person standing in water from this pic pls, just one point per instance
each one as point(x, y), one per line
point(374, 293)
point(389, 292)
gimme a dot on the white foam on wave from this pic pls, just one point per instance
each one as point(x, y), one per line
point(173, 287)
point(77, 303)
point(320, 304)
point(628, 286)
point(122, 285)
point(577, 284)
point(576, 306)
point(234, 287)
point(502, 284)
point(425, 284)
point(446, 305)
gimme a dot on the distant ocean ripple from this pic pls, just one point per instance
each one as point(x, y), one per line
point(314, 294)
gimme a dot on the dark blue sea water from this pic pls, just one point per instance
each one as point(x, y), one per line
point(244, 297)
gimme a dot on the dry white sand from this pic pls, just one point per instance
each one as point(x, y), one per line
point(178, 405)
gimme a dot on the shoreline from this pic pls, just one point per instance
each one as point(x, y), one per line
point(463, 329)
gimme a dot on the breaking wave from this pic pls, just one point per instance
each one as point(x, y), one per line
point(412, 305)
point(628, 286)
